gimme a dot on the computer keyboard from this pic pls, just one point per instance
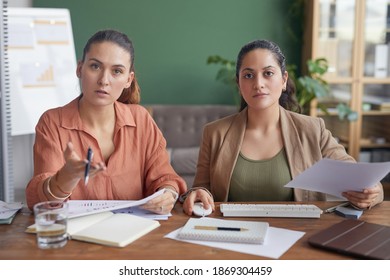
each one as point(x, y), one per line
point(271, 210)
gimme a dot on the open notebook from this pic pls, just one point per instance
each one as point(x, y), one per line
point(210, 229)
point(107, 228)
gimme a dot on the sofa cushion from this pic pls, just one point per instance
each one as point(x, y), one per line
point(182, 125)
point(184, 160)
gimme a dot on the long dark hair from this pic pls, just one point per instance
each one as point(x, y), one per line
point(287, 100)
point(129, 95)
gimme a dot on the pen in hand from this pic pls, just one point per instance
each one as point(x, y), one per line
point(88, 166)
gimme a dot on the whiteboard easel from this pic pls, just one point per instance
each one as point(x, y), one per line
point(42, 64)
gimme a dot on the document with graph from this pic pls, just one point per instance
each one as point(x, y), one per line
point(78, 208)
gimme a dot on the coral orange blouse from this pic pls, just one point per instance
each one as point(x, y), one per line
point(137, 168)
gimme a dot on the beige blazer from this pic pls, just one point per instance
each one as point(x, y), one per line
point(305, 138)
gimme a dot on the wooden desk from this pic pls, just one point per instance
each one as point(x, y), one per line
point(15, 244)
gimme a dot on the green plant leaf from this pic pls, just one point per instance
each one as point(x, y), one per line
point(353, 116)
point(317, 67)
point(345, 112)
point(214, 59)
point(225, 75)
point(318, 88)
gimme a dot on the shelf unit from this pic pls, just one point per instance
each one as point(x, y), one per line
point(354, 36)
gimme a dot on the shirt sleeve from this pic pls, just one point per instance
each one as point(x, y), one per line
point(48, 158)
point(158, 170)
point(202, 177)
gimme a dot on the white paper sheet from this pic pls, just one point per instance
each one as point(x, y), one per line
point(78, 208)
point(136, 210)
point(334, 177)
point(277, 242)
point(7, 210)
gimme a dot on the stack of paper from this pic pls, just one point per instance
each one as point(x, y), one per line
point(79, 208)
point(8, 211)
point(138, 211)
point(277, 242)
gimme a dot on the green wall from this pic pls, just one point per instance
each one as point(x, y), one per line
point(173, 39)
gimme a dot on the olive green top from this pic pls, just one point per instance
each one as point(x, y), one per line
point(261, 180)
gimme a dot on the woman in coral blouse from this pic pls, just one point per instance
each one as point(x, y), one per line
point(129, 161)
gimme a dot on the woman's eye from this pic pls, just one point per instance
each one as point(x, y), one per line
point(94, 66)
point(248, 76)
point(268, 73)
point(118, 71)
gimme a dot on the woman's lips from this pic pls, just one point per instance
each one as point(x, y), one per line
point(101, 92)
point(259, 95)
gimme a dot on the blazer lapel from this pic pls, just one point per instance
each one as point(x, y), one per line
point(227, 156)
point(294, 151)
point(292, 144)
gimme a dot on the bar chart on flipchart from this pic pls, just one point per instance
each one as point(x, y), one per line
point(42, 64)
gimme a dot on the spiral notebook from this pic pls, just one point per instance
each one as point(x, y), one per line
point(210, 229)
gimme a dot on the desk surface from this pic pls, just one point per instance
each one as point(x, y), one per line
point(15, 244)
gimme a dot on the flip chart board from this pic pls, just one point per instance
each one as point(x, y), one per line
point(42, 64)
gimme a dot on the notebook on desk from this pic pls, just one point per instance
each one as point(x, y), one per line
point(107, 228)
point(356, 238)
point(211, 229)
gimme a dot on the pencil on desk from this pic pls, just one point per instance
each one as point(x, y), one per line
point(220, 228)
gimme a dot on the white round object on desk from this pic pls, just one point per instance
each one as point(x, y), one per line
point(198, 210)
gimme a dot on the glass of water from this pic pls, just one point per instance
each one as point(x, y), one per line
point(51, 223)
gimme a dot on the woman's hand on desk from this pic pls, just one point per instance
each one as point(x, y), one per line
point(195, 196)
point(367, 198)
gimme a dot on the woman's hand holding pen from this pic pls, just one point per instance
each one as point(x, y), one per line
point(73, 170)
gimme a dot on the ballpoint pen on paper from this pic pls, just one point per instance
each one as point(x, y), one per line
point(220, 228)
point(88, 166)
point(332, 209)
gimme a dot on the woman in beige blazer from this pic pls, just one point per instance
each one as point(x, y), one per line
point(265, 134)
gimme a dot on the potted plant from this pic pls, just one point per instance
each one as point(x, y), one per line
point(312, 86)
point(226, 74)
